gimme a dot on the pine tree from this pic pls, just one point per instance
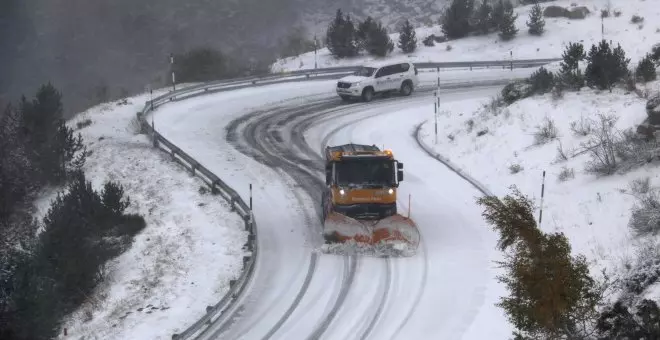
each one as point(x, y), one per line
point(378, 41)
point(646, 69)
point(536, 23)
point(456, 18)
point(497, 15)
point(483, 18)
point(362, 32)
point(341, 37)
point(407, 39)
point(605, 66)
point(507, 27)
point(570, 74)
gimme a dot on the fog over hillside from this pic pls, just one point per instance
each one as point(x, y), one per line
point(82, 45)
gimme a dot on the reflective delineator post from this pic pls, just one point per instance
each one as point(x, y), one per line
point(250, 196)
point(542, 192)
point(172, 68)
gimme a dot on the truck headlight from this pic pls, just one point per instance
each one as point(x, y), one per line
point(391, 191)
point(355, 84)
point(342, 192)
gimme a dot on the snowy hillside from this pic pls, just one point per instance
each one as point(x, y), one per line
point(184, 258)
point(514, 145)
point(636, 39)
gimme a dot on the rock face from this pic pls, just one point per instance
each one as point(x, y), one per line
point(579, 12)
point(555, 12)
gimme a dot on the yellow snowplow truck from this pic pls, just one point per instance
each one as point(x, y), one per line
point(360, 203)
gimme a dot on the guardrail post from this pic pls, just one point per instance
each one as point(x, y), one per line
point(173, 153)
point(233, 204)
point(192, 168)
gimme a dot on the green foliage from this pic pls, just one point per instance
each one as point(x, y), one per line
point(550, 291)
point(54, 149)
point(377, 42)
point(407, 40)
point(82, 231)
point(646, 69)
point(542, 81)
point(484, 23)
point(455, 20)
point(341, 37)
point(570, 74)
point(606, 66)
point(507, 25)
point(618, 322)
point(536, 24)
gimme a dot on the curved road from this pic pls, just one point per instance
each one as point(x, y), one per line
point(299, 293)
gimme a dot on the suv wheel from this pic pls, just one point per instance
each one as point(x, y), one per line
point(406, 88)
point(368, 94)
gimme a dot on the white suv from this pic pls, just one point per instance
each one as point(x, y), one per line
point(372, 79)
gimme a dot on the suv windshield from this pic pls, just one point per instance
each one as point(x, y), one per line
point(365, 72)
point(365, 172)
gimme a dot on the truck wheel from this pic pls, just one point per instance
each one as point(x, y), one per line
point(368, 94)
point(406, 88)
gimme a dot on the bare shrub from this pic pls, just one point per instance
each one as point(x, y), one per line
point(515, 168)
point(546, 132)
point(561, 153)
point(84, 123)
point(582, 128)
point(134, 126)
point(494, 106)
point(566, 174)
point(448, 48)
point(645, 217)
point(470, 125)
point(640, 186)
point(557, 92)
point(636, 19)
point(602, 146)
point(644, 271)
point(617, 13)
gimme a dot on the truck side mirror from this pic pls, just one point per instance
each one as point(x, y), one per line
point(399, 175)
point(399, 165)
point(328, 175)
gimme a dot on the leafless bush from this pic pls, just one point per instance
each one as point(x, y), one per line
point(84, 123)
point(636, 19)
point(557, 92)
point(448, 48)
point(582, 128)
point(515, 168)
point(645, 217)
point(494, 106)
point(634, 150)
point(604, 13)
point(561, 153)
point(470, 125)
point(135, 127)
point(640, 186)
point(602, 146)
point(546, 132)
point(566, 174)
point(617, 13)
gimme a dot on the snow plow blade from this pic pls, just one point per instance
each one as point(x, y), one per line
point(393, 236)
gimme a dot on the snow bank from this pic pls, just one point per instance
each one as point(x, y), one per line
point(181, 262)
point(636, 39)
point(502, 149)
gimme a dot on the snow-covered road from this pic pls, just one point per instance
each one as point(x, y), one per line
point(447, 291)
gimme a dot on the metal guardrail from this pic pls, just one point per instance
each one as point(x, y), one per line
point(230, 195)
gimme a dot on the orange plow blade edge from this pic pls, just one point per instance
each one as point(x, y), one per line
point(395, 235)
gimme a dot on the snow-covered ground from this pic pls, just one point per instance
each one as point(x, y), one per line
point(184, 258)
point(636, 39)
point(592, 211)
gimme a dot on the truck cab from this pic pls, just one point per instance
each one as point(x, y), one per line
point(361, 181)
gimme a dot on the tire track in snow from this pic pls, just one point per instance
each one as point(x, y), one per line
point(268, 146)
point(422, 245)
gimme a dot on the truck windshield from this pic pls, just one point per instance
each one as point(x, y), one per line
point(365, 71)
point(365, 172)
